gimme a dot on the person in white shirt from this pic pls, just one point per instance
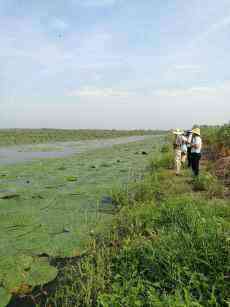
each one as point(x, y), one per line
point(177, 149)
point(196, 147)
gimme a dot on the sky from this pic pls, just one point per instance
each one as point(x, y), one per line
point(123, 64)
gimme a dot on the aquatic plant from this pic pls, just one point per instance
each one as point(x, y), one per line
point(56, 212)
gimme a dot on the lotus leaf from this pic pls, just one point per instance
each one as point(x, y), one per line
point(51, 221)
point(41, 273)
point(8, 194)
point(25, 270)
point(71, 178)
point(5, 297)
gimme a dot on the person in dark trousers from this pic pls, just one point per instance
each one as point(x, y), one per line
point(196, 147)
point(189, 141)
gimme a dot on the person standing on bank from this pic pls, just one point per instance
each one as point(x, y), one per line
point(184, 149)
point(189, 142)
point(177, 149)
point(196, 147)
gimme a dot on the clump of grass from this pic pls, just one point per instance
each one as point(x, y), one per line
point(203, 182)
point(119, 196)
point(147, 189)
point(165, 148)
point(209, 183)
point(161, 161)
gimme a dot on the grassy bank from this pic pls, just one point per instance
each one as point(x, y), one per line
point(217, 140)
point(38, 136)
point(168, 245)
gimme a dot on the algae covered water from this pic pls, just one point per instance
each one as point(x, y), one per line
point(50, 208)
point(25, 153)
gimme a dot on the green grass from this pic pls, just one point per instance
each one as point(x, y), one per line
point(217, 135)
point(208, 182)
point(41, 136)
point(167, 246)
point(217, 140)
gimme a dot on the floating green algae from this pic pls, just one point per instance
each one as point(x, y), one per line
point(57, 221)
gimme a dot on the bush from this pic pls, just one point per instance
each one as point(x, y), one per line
point(203, 182)
point(209, 183)
point(148, 189)
point(165, 148)
point(224, 135)
point(217, 139)
point(162, 161)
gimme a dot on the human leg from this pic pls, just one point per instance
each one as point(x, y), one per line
point(177, 161)
point(193, 163)
point(183, 158)
point(189, 157)
point(197, 166)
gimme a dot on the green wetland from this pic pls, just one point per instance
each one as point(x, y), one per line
point(25, 153)
point(50, 208)
point(114, 227)
point(43, 136)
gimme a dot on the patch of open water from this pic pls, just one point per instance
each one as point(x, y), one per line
point(26, 153)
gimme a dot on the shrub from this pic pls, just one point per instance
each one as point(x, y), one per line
point(217, 139)
point(119, 196)
point(165, 148)
point(209, 183)
point(223, 135)
point(148, 189)
point(203, 182)
point(162, 161)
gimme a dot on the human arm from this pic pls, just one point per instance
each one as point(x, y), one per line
point(196, 143)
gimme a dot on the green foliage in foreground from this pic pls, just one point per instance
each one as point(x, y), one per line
point(22, 273)
point(172, 250)
point(173, 255)
point(38, 136)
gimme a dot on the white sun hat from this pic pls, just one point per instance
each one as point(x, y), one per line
point(177, 131)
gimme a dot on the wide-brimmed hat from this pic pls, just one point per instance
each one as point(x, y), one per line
point(196, 131)
point(177, 131)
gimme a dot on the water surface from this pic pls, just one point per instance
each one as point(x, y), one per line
point(25, 153)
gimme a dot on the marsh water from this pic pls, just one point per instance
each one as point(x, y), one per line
point(53, 197)
point(24, 153)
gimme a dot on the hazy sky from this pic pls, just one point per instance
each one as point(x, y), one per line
point(114, 63)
